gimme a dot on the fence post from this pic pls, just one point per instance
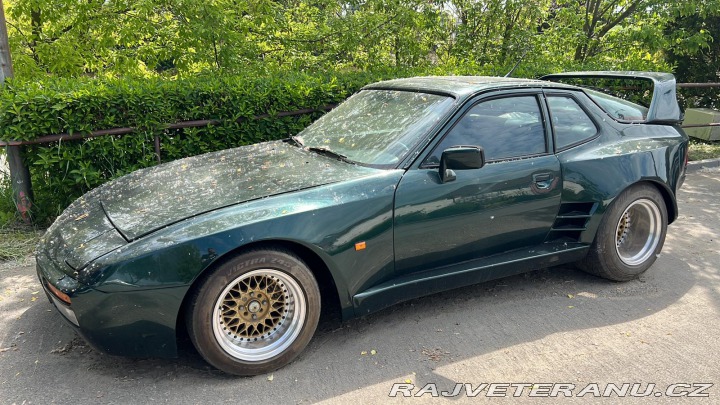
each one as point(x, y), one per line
point(19, 172)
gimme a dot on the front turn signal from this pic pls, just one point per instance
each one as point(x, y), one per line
point(61, 295)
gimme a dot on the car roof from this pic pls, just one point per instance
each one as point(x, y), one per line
point(460, 86)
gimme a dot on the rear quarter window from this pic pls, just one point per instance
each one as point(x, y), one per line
point(571, 125)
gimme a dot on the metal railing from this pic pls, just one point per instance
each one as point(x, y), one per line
point(157, 138)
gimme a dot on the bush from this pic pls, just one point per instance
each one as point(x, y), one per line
point(7, 207)
point(62, 171)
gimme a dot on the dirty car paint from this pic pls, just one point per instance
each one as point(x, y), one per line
point(134, 205)
point(129, 251)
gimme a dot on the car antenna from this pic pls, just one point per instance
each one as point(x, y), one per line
point(517, 64)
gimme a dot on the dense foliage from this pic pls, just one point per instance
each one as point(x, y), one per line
point(697, 62)
point(71, 38)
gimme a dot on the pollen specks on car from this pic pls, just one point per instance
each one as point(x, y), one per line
point(191, 186)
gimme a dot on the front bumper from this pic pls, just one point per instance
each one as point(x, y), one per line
point(63, 308)
point(135, 323)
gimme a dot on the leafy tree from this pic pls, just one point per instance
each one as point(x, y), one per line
point(71, 38)
point(694, 44)
point(134, 37)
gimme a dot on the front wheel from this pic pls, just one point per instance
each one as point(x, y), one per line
point(630, 236)
point(255, 313)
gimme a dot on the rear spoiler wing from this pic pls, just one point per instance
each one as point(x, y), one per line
point(663, 109)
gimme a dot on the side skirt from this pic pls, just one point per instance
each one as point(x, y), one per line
point(471, 272)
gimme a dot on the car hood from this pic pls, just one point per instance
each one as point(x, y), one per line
point(139, 203)
point(148, 199)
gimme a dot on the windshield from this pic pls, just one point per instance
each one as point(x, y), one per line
point(618, 108)
point(376, 127)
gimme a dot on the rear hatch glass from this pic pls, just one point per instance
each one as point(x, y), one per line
point(621, 110)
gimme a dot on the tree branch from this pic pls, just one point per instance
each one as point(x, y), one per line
point(70, 27)
point(625, 14)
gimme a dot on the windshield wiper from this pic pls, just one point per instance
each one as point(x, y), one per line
point(297, 141)
point(328, 152)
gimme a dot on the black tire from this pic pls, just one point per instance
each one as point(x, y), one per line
point(259, 324)
point(623, 250)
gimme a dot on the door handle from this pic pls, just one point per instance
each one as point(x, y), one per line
point(543, 180)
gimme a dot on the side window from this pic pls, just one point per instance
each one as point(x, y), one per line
point(506, 128)
point(570, 122)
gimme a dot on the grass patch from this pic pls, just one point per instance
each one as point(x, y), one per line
point(17, 242)
point(701, 150)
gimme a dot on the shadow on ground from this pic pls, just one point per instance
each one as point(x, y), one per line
point(411, 340)
point(416, 336)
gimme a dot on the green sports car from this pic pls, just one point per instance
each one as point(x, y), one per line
point(410, 187)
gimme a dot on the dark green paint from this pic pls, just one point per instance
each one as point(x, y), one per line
point(484, 211)
point(176, 221)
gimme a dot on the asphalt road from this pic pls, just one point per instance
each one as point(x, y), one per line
point(557, 325)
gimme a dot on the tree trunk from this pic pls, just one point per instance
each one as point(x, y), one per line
point(19, 172)
point(35, 33)
point(580, 53)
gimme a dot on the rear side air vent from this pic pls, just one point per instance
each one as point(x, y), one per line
point(570, 222)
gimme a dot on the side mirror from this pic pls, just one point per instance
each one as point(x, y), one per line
point(460, 158)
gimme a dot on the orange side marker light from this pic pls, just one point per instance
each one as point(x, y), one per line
point(63, 297)
point(360, 245)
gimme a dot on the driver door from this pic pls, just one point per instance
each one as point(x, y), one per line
point(508, 204)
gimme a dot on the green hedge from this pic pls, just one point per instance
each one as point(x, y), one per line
point(62, 171)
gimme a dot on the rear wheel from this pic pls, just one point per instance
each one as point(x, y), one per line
point(255, 313)
point(631, 235)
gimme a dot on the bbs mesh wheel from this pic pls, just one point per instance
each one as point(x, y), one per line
point(255, 313)
point(630, 236)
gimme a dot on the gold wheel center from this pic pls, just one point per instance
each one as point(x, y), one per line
point(254, 308)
